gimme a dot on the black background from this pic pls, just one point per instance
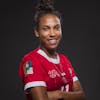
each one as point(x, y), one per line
point(80, 42)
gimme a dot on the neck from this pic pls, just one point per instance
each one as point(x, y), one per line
point(50, 53)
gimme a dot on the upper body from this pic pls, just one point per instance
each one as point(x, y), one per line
point(38, 69)
point(46, 74)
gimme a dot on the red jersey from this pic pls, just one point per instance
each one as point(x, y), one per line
point(37, 69)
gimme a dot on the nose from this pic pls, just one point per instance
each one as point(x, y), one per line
point(52, 33)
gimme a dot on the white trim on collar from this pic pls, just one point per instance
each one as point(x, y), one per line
point(53, 60)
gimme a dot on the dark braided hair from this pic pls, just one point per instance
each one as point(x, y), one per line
point(45, 7)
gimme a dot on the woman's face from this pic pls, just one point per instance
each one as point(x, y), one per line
point(49, 31)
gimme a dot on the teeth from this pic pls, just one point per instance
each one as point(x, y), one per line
point(52, 41)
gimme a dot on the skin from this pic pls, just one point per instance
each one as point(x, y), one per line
point(50, 34)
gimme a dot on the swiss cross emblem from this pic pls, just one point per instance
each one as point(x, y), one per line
point(53, 73)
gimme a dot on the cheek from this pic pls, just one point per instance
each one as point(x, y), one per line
point(44, 34)
point(43, 38)
point(60, 35)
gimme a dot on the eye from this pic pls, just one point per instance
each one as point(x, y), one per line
point(58, 27)
point(45, 28)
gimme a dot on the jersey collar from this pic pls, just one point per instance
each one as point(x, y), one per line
point(53, 60)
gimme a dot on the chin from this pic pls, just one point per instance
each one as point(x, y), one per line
point(52, 48)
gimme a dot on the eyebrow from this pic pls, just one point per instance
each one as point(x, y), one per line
point(49, 26)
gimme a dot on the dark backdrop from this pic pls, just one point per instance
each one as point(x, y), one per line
point(80, 42)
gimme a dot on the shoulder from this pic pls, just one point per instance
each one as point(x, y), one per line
point(63, 56)
point(65, 59)
point(29, 60)
point(30, 56)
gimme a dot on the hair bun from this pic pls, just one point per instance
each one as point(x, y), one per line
point(45, 5)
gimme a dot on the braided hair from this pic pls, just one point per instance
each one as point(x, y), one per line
point(45, 7)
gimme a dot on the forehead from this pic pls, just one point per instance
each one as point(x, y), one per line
point(49, 19)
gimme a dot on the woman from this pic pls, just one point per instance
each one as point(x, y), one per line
point(46, 74)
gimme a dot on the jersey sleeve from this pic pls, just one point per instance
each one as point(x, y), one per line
point(31, 73)
point(71, 69)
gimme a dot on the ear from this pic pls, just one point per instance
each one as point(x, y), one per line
point(36, 33)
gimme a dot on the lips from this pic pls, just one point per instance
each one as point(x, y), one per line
point(52, 41)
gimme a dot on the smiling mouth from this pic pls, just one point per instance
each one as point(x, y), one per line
point(52, 41)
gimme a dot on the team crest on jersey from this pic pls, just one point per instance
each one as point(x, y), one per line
point(53, 73)
point(28, 69)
